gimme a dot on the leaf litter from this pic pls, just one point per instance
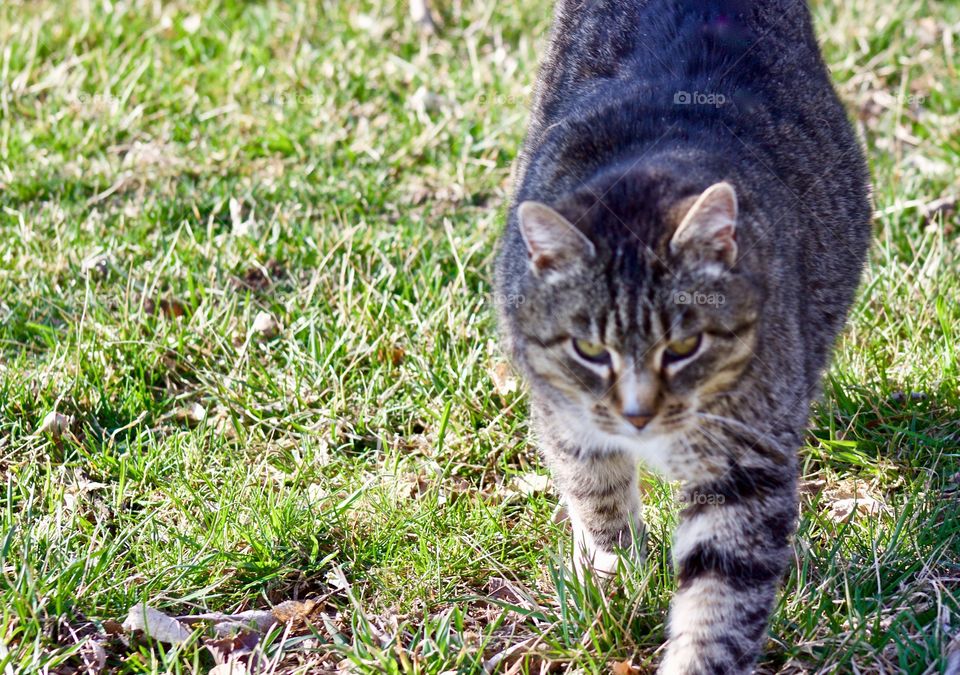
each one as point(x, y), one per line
point(236, 641)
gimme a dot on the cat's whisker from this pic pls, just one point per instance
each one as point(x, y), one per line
point(724, 445)
point(742, 426)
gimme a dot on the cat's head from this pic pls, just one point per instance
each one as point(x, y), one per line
point(635, 315)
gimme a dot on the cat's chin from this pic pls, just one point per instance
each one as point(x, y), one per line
point(656, 448)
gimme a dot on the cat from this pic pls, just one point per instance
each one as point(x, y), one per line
point(689, 225)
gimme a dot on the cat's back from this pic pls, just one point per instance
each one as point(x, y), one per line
point(668, 43)
point(676, 52)
point(721, 76)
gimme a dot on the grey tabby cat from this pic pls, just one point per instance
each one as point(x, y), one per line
point(687, 234)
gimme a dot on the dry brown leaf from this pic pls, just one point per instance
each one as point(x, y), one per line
point(96, 265)
point(241, 226)
point(265, 325)
point(624, 668)
point(156, 625)
point(411, 486)
point(295, 611)
point(55, 424)
point(394, 354)
point(111, 627)
point(953, 657)
point(852, 498)
point(94, 656)
point(499, 588)
point(260, 620)
point(259, 277)
point(347, 666)
point(227, 649)
point(422, 16)
point(530, 483)
point(192, 23)
point(190, 415)
point(504, 379)
point(172, 308)
point(231, 667)
point(841, 509)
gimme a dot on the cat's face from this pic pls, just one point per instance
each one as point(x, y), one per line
point(629, 342)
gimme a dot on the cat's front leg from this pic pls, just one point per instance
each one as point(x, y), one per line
point(731, 549)
point(602, 498)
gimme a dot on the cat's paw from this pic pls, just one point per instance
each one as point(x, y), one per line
point(602, 564)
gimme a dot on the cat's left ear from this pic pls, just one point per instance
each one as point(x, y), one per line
point(707, 232)
point(553, 242)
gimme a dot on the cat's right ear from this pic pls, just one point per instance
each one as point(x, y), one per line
point(553, 242)
point(708, 230)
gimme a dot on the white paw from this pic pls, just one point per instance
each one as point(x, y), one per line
point(602, 563)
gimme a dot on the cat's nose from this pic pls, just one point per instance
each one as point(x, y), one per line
point(639, 420)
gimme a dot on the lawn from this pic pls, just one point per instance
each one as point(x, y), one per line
point(248, 352)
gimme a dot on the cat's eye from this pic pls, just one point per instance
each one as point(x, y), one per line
point(681, 349)
point(591, 351)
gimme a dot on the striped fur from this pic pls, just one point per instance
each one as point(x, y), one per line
point(737, 229)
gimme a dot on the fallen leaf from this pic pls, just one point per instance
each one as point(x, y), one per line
point(499, 588)
point(94, 656)
point(953, 657)
point(624, 668)
point(111, 627)
point(422, 16)
point(96, 265)
point(190, 415)
point(393, 354)
point(74, 630)
point(504, 379)
point(851, 497)
point(411, 486)
point(192, 23)
point(260, 620)
point(227, 649)
point(530, 483)
point(293, 611)
point(842, 509)
point(811, 487)
point(242, 227)
point(172, 308)
point(231, 667)
point(512, 659)
point(156, 625)
point(265, 325)
point(55, 424)
point(259, 277)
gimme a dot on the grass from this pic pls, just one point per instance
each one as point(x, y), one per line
point(168, 171)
